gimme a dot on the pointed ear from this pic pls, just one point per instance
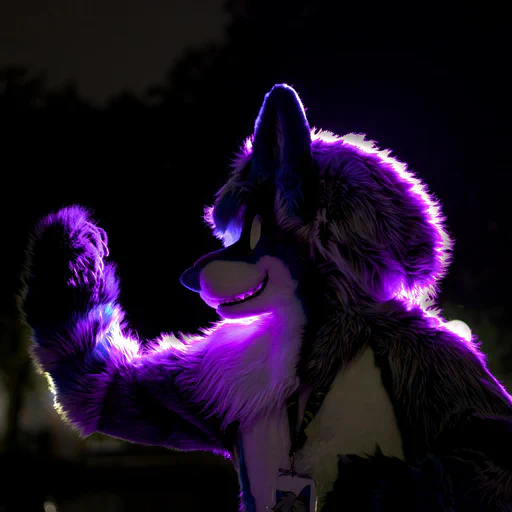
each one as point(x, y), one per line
point(282, 141)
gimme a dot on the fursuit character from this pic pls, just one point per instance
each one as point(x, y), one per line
point(330, 379)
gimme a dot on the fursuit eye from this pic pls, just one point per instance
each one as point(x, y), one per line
point(255, 231)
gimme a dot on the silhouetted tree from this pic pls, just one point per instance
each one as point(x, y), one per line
point(19, 91)
point(15, 374)
point(66, 100)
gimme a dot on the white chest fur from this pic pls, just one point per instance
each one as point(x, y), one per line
point(356, 415)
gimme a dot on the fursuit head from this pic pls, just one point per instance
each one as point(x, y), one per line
point(332, 254)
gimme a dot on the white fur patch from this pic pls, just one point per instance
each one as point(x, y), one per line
point(356, 415)
point(247, 371)
point(249, 368)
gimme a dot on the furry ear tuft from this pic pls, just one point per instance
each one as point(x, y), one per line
point(410, 225)
point(227, 208)
point(376, 223)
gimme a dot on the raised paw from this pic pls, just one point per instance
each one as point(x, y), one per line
point(66, 272)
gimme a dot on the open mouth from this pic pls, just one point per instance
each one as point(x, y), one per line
point(244, 297)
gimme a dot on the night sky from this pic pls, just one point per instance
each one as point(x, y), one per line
point(105, 46)
point(425, 80)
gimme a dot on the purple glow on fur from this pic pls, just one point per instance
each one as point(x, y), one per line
point(244, 321)
point(169, 341)
point(183, 341)
point(230, 235)
point(418, 288)
point(469, 341)
point(460, 328)
point(244, 296)
point(247, 146)
point(208, 217)
point(116, 340)
point(418, 295)
point(248, 320)
point(243, 373)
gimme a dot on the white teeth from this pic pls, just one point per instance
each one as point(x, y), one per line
point(242, 297)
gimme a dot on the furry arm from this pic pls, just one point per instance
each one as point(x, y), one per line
point(104, 380)
point(468, 470)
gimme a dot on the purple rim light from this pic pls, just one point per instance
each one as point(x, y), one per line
point(244, 297)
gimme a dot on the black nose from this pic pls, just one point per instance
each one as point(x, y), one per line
point(190, 279)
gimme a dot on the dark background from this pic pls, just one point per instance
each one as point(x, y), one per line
point(135, 109)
